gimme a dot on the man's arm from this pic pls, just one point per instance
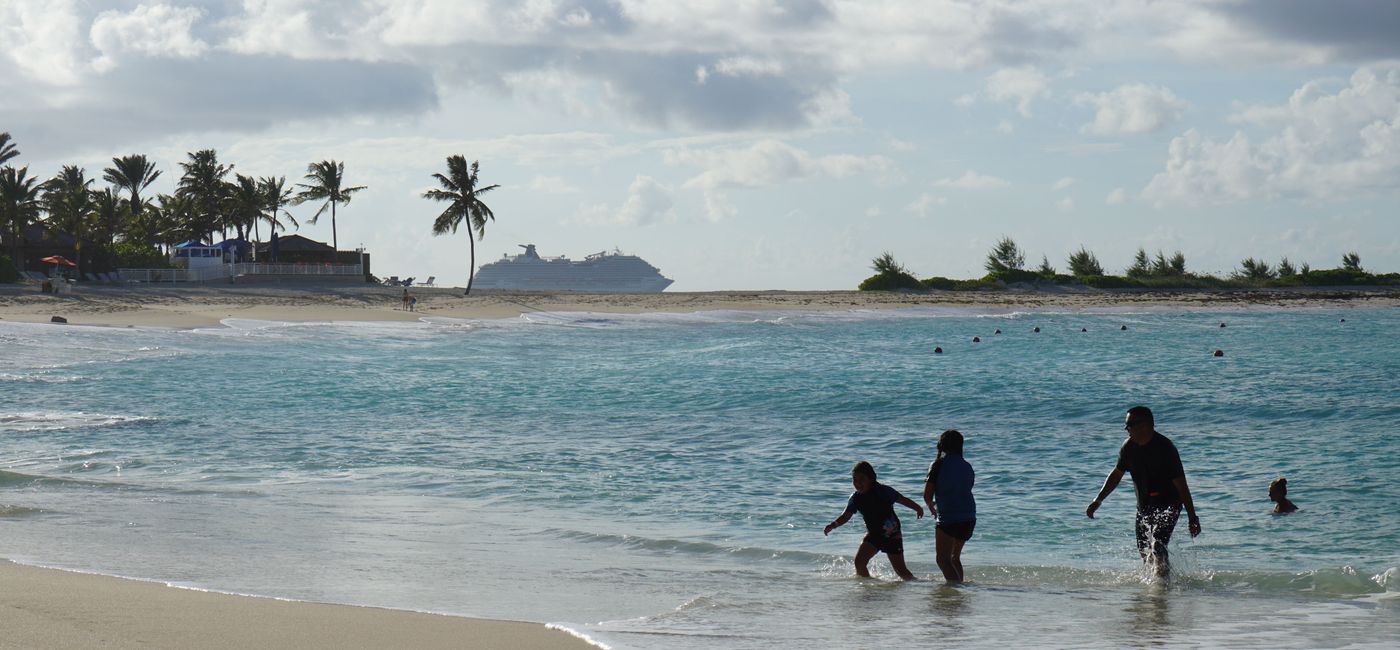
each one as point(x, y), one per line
point(1108, 484)
point(1193, 522)
point(909, 503)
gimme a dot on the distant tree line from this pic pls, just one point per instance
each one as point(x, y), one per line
point(1005, 264)
point(126, 227)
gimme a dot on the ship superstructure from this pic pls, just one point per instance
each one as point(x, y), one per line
point(599, 272)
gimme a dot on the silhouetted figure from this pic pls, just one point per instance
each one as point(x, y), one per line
point(1278, 493)
point(1161, 487)
point(948, 495)
point(875, 502)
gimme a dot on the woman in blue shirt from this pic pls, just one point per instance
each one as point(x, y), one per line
point(948, 494)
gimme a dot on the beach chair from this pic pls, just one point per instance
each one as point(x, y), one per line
point(429, 283)
point(408, 282)
point(391, 281)
point(36, 276)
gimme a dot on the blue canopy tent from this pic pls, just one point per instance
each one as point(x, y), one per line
point(235, 250)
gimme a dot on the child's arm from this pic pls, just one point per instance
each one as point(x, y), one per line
point(909, 503)
point(837, 523)
point(928, 499)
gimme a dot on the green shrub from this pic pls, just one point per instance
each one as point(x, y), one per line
point(7, 270)
point(1110, 282)
point(1014, 275)
point(890, 282)
point(135, 255)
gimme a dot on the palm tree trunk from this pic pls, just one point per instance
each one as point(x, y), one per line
point(335, 242)
point(471, 272)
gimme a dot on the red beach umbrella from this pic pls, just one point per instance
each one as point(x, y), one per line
point(58, 259)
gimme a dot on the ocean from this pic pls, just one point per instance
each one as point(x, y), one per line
point(661, 481)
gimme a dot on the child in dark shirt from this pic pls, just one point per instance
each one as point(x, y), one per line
point(875, 502)
point(1278, 493)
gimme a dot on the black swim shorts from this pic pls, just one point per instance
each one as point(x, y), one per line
point(961, 531)
point(889, 545)
point(1154, 530)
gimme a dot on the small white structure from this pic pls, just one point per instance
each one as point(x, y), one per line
point(193, 255)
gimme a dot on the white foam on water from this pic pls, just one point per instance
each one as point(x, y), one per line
point(58, 420)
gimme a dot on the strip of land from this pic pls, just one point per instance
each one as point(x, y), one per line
point(48, 608)
point(207, 305)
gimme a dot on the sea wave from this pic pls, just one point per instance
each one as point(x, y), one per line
point(58, 420)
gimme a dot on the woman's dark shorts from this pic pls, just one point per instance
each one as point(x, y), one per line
point(961, 531)
point(889, 545)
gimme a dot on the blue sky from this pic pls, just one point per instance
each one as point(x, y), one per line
point(757, 145)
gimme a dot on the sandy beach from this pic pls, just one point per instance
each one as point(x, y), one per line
point(48, 608)
point(205, 306)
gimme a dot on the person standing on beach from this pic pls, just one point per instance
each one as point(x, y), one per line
point(875, 502)
point(1161, 487)
point(949, 481)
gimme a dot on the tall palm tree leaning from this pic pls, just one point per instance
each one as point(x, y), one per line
point(459, 187)
point(326, 178)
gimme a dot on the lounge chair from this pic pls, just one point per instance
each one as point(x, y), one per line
point(429, 283)
point(391, 281)
point(36, 276)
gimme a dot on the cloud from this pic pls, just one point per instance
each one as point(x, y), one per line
point(1064, 183)
point(1021, 85)
point(1065, 205)
point(1322, 145)
point(41, 39)
point(1132, 108)
point(153, 31)
point(552, 185)
point(1118, 196)
point(1349, 29)
point(772, 162)
point(924, 204)
point(647, 202)
point(971, 180)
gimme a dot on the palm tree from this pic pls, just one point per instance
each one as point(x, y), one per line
point(203, 184)
point(276, 195)
point(326, 178)
point(132, 173)
point(7, 148)
point(68, 200)
point(459, 188)
point(19, 207)
point(245, 204)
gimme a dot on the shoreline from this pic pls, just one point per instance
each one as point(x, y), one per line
point(58, 608)
point(208, 305)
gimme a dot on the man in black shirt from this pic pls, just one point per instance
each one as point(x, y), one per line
point(1160, 481)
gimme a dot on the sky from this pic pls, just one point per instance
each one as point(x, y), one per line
point(748, 144)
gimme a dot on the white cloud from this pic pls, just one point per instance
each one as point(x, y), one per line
point(971, 180)
point(1323, 145)
point(1065, 205)
point(771, 162)
point(1064, 183)
point(40, 37)
point(552, 185)
point(1022, 85)
point(1118, 196)
point(1006, 127)
point(926, 202)
point(148, 30)
point(647, 202)
point(1132, 108)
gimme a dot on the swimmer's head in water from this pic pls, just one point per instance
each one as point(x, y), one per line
point(1278, 489)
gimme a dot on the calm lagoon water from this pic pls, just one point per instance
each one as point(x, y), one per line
point(661, 481)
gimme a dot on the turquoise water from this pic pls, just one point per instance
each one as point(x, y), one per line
point(661, 481)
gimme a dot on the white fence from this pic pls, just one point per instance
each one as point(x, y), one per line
point(230, 272)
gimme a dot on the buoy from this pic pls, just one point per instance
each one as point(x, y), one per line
point(997, 332)
point(1083, 329)
point(976, 339)
point(938, 350)
point(1222, 324)
point(1036, 330)
point(1219, 353)
point(1122, 328)
point(1344, 320)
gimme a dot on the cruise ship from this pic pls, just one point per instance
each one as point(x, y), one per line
point(599, 272)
